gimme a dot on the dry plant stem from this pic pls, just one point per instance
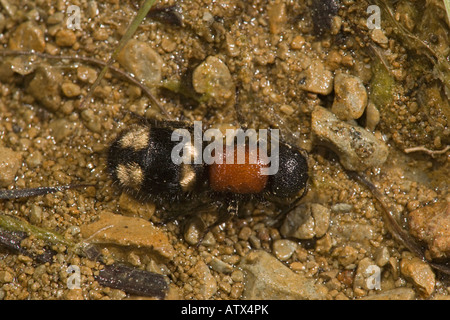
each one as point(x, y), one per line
point(13, 224)
point(428, 151)
point(94, 61)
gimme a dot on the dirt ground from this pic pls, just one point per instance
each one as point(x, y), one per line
point(283, 58)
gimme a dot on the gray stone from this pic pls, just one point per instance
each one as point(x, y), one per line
point(306, 221)
point(141, 60)
point(357, 148)
point(46, 87)
point(213, 79)
point(269, 279)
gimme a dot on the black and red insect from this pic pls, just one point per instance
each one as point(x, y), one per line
point(139, 161)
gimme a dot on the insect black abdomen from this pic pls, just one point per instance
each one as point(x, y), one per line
point(139, 160)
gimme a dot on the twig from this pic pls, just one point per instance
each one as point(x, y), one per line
point(133, 281)
point(12, 240)
point(428, 151)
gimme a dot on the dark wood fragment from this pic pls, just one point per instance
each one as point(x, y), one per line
point(12, 239)
point(133, 281)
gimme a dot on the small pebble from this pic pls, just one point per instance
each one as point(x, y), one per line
point(317, 79)
point(34, 159)
point(306, 222)
point(341, 207)
point(65, 38)
point(431, 224)
point(22, 65)
point(284, 249)
point(6, 277)
point(70, 89)
point(350, 97)
point(236, 290)
point(91, 120)
point(382, 256)
point(255, 242)
point(324, 244)
point(86, 74)
point(141, 60)
point(245, 233)
point(237, 276)
point(420, 273)
point(379, 37)
point(298, 42)
point(168, 45)
point(372, 116)
point(208, 285)
point(55, 18)
point(213, 79)
point(61, 128)
point(45, 87)
point(194, 231)
point(10, 162)
point(101, 34)
point(287, 109)
point(347, 255)
point(35, 214)
point(74, 294)
point(364, 271)
point(297, 266)
point(276, 11)
point(92, 9)
point(28, 36)
point(218, 265)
